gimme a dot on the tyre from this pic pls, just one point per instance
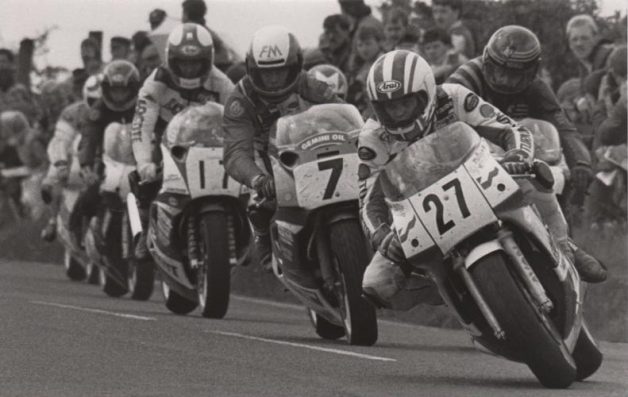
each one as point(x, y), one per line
point(141, 279)
point(175, 302)
point(93, 274)
point(110, 286)
point(586, 354)
point(533, 338)
point(73, 269)
point(349, 250)
point(214, 274)
point(324, 328)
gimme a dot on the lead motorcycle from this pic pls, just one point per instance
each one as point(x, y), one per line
point(463, 221)
point(319, 250)
point(119, 271)
point(198, 227)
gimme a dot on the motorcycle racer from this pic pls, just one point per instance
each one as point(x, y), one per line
point(274, 85)
point(60, 151)
point(119, 88)
point(506, 76)
point(408, 106)
point(332, 76)
point(188, 77)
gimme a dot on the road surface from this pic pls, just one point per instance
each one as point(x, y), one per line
point(63, 338)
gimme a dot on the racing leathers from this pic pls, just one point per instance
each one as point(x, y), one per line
point(159, 100)
point(60, 155)
point(89, 156)
point(536, 101)
point(247, 120)
point(384, 281)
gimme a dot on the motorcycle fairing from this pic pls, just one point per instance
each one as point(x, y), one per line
point(173, 180)
point(206, 174)
point(116, 177)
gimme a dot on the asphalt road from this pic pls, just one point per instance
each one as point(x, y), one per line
point(63, 338)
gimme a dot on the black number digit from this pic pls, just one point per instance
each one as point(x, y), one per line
point(440, 224)
point(201, 171)
point(225, 177)
point(336, 169)
point(462, 204)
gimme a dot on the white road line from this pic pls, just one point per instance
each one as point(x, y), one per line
point(286, 343)
point(293, 306)
point(86, 309)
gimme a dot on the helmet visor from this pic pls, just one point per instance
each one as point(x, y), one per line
point(190, 68)
point(401, 112)
point(509, 80)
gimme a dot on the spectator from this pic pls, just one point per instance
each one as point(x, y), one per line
point(439, 53)
point(447, 14)
point(612, 102)
point(195, 11)
point(149, 60)
point(156, 17)
point(337, 41)
point(91, 56)
point(13, 95)
point(358, 14)
point(120, 48)
point(409, 42)
point(395, 27)
point(421, 18)
point(586, 44)
point(79, 77)
point(369, 46)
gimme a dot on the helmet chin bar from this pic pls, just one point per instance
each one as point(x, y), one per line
point(189, 84)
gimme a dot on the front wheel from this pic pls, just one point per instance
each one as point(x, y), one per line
point(175, 302)
point(324, 328)
point(110, 286)
point(534, 339)
point(93, 273)
point(73, 268)
point(214, 276)
point(141, 279)
point(586, 354)
point(351, 254)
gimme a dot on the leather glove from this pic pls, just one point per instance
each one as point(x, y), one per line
point(89, 176)
point(63, 171)
point(516, 161)
point(390, 248)
point(581, 177)
point(147, 172)
point(264, 186)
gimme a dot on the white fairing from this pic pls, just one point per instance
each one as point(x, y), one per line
point(116, 177)
point(313, 179)
point(453, 207)
point(206, 175)
point(173, 181)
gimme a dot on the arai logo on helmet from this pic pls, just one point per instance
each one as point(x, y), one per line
point(388, 86)
point(190, 50)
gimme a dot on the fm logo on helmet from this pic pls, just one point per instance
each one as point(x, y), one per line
point(270, 52)
point(388, 86)
point(190, 50)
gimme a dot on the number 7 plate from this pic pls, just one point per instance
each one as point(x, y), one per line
point(327, 181)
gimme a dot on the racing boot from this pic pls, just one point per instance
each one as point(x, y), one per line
point(262, 251)
point(49, 232)
point(589, 268)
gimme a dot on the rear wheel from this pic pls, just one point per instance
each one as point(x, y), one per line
point(586, 354)
point(214, 276)
point(528, 332)
point(351, 254)
point(324, 328)
point(141, 279)
point(73, 268)
point(93, 273)
point(175, 302)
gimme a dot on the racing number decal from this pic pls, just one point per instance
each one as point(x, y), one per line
point(444, 227)
point(201, 173)
point(336, 169)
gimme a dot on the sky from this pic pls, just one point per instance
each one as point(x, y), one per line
point(235, 20)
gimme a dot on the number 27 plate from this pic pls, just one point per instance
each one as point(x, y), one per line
point(452, 209)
